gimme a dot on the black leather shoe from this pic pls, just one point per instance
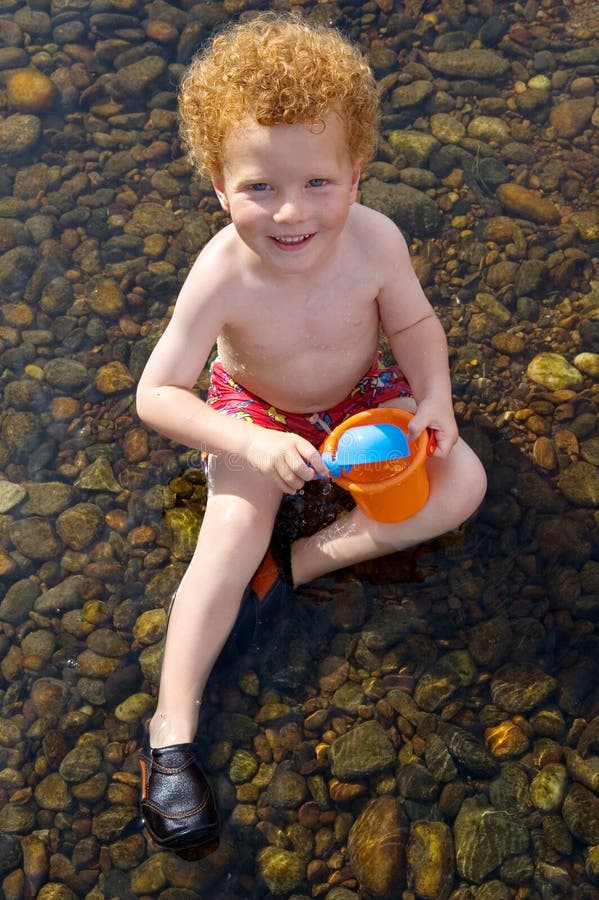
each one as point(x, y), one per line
point(176, 800)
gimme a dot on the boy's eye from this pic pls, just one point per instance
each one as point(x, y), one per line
point(316, 182)
point(259, 186)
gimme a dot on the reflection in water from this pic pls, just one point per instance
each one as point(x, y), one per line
point(456, 686)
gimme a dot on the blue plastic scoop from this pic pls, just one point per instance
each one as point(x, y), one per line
point(364, 444)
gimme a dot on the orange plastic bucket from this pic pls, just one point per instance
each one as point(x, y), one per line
point(390, 490)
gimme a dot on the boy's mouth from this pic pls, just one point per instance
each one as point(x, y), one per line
point(292, 240)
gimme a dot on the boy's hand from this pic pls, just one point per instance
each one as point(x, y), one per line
point(287, 458)
point(440, 421)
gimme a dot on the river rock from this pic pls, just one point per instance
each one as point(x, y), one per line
point(484, 837)
point(10, 495)
point(469, 63)
point(80, 525)
point(376, 847)
point(519, 688)
point(581, 814)
point(282, 871)
point(430, 860)
point(363, 750)
point(80, 763)
point(571, 117)
point(553, 371)
point(31, 91)
point(548, 788)
point(287, 790)
point(580, 484)
point(19, 133)
point(409, 208)
point(527, 203)
point(510, 790)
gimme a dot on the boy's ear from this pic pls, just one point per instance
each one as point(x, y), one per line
point(218, 183)
point(355, 181)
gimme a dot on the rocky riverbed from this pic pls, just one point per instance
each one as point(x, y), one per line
point(426, 726)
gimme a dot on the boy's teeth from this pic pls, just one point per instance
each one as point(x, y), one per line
point(293, 240)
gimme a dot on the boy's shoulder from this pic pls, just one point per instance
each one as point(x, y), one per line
point(376, 229)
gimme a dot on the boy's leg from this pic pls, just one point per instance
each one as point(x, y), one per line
point(234, 536)
point(457, 487)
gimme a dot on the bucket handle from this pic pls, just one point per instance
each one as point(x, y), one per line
point(431, 445)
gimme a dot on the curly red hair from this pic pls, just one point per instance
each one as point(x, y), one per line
point(276, 69)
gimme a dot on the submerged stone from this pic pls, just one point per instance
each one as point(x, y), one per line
point(363, 750)
point(484, 837)
point(430, 860)
point(377, 847)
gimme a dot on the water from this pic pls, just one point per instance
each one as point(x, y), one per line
point(491, 631)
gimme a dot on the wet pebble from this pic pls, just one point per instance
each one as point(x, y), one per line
point(376, 847)
point(363, 750)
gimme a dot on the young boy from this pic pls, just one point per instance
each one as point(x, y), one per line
point(281, 116)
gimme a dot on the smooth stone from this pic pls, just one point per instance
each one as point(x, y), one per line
point(377, 846)
point(66, 374)
point(11, 495)
point(580, 484)
point(16, 819)
point(519, 688)
point(581, 814)
point(18, 601)
point(447, 128)
point(149, 217)
point(506, 739)
point(53, 793)
point(114, 378)
point(81, 762)
point(106, 298)
point(287, 789)
point(414, 146)
point(408, 207)
point(47, 498)
point(510, 790)
point(98, 476)
point(416, 782)
point(135, 708)
point(489, 128)
point(243, 767)
point(588, 363)
point(527, 203)
point(80, 525)
point(19, 133)
point(469, 63)
point(553, 371)
point(412, 94)
point(484, 837)
point(467, 750)
point(571, 117)
point(448, 674)
point(134, 79)
point(430, 860)
point(30, 91)
point(438, 759)
point(363, 750)
point(548, 788)
point(34, 538)
point(282, 871)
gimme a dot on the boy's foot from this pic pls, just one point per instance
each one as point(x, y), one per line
point(176, 800)
point(268, 594)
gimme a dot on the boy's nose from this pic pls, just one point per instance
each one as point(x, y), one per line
point(290, 210)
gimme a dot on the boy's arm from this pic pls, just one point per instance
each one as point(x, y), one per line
point(166, 400)
point(165, 397)
point(418, 342)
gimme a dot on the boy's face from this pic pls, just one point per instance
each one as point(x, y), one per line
point(288, 190)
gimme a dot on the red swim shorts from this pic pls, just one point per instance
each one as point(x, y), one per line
point(380, 383)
